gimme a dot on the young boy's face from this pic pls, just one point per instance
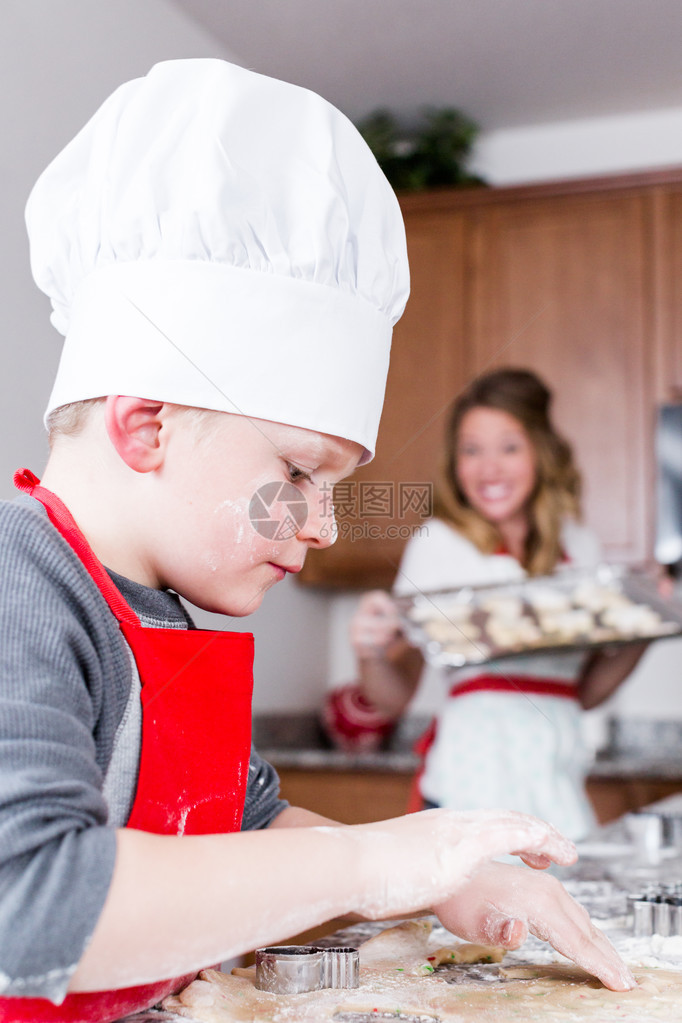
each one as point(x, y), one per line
point(245, 502)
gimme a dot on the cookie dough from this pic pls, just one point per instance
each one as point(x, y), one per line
point(542, 613)
point(399, 980)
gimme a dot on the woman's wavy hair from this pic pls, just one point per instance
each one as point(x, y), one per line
point(521, 394)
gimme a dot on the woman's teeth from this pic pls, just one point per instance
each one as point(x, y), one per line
point(494, 491)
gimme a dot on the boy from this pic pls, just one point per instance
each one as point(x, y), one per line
point(226, 262)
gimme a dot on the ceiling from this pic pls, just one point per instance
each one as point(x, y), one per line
point(505, 63)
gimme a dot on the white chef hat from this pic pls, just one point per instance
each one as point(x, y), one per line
point(220, 239)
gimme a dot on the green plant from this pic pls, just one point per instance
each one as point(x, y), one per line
point(429, 155)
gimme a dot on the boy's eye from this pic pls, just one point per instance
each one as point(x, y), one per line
point(296, 475)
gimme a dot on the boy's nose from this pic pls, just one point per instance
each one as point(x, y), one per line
point(319, 528)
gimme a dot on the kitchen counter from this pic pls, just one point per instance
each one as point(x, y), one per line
point(641, 764)
point(633, 764)
point(643, 750)
point(297, 741)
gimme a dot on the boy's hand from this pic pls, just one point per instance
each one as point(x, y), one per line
point(502, 903)
point(414, 862)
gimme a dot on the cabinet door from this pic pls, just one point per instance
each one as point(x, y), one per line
point(379, 506)
point(561, 285)
point(667, 201)
point(613, 797)
point(351, 797)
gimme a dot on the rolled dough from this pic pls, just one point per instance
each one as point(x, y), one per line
point(397, 982)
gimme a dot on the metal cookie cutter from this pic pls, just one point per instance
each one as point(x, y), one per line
point(657, 910)
point(291, 969)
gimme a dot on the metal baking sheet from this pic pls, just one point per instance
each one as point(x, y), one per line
point(569, 611)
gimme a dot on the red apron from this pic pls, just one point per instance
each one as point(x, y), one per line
point(196, 743)
point(480, 684)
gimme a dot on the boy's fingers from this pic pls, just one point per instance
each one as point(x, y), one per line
point(501, 902)
point(534, 840)
point(508, 932)
point(575, 936)
point(535, 860)
point(468, 840)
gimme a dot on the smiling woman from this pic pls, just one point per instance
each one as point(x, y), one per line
point(507, 506)
point(509, 481)
point(495, 469)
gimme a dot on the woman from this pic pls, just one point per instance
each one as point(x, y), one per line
point(507, 507)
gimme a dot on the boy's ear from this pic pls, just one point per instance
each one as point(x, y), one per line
point(134, 428)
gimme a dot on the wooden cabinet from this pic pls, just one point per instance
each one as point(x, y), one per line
point(351, 797)
point(561, 285)
point(579, 280)
point(358, 797)
point(377, 509)
point(613, 797)
point(667, 272)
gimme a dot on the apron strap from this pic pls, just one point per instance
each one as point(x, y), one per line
point(61, 518)
point(516, 684)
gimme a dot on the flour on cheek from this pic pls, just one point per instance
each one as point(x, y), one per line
point(234, 537)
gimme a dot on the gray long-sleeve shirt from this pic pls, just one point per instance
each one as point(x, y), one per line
point(70, 730)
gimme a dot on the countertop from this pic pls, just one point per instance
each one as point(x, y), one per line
point(610, 871)
point(646, 750)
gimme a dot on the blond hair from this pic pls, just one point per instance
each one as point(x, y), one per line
point(70, 420)
point(556, 496)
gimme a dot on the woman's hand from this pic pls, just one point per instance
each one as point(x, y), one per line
point(375, 626)
point(502, 903)
point(388, 667)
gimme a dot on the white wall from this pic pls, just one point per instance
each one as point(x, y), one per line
point(58, 60)
point(600, 145)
